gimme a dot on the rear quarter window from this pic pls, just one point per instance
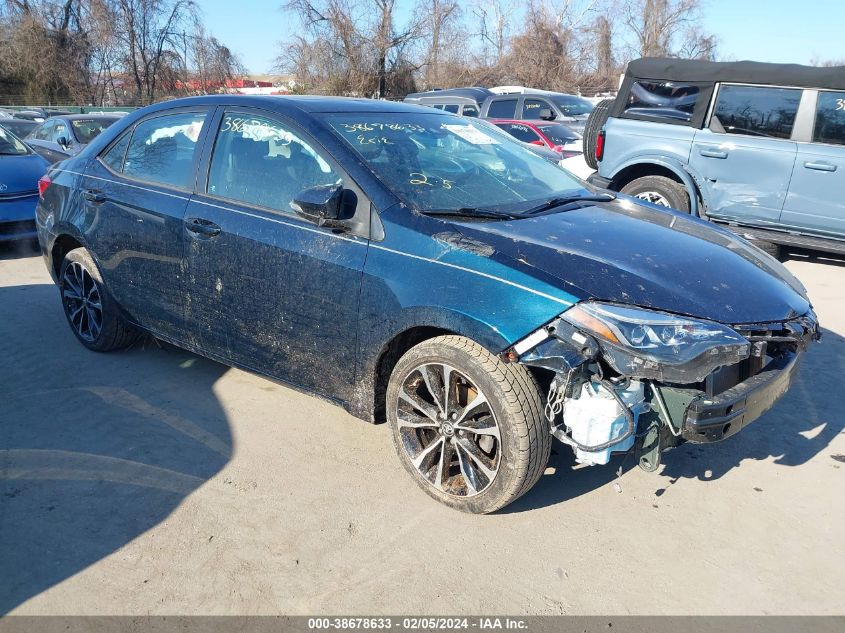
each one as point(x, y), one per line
point(662, 100)
point(757, 110)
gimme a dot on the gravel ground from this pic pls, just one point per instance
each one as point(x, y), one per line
point(156, 482)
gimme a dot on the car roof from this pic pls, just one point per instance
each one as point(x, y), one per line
point(748, 72)
point(87, 117)
point(309, 104)
point(474, 93)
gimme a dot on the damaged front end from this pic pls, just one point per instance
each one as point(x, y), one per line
point(625, 377)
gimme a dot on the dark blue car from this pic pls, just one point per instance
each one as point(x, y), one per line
point(426, 269)
point(20, 169)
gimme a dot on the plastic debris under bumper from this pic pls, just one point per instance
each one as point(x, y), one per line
point(714, 418)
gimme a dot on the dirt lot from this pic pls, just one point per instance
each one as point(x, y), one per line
point(156, 482)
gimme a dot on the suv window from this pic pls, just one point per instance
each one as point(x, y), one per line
point(162, 149)
point(113, 158)
point(502, 109)
point(520, 132)
point(453, 108)
point(830, 118)
point(757, 110)
point(662, 100)
point(260, 162)
point(531, 108)
point(470, 110)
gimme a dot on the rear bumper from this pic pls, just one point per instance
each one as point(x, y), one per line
point(715, 418)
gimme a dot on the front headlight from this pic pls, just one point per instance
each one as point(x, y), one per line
point(649, 344)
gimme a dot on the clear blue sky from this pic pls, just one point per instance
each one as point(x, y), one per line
point(763, 30)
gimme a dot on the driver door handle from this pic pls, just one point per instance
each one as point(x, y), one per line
point(203, 227)
point(713, 153)
point(94, 195)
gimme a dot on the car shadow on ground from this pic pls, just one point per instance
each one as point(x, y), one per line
point(799, 427)
point(19, 249)
point(95, 449)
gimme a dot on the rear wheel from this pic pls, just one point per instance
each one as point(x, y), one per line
point(92, 314)
point(468, 427)
point(659, 190)
point(598, 117)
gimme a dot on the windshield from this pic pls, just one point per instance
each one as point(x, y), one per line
point(571, 105)
point(11, 145)
point(558, 133)
point(86, 130)
point(432, 161)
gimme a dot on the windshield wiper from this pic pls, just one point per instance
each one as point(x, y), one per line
point(472, 212)
point(564, 200)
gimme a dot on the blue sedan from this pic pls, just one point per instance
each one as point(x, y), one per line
point(424, 269)
point(20, 169)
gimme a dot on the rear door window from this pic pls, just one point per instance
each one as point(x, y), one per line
point(162, 149)
point(662, 100)
point(261, 162)
point(757, 110)
point(520, 132)
point(531, 108)
point(502, 109)
point(830, 118)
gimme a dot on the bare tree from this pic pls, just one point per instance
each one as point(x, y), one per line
point(667, 28)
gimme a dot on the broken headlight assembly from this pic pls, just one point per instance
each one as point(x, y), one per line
point(655, 345)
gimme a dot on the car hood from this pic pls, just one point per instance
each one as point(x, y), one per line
point(20, 174)
point(629, 253)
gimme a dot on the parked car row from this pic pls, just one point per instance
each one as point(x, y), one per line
point(27, 148)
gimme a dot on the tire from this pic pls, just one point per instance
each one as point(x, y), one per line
point(666, 192)
point(506, 434)
point(84, 297)
point(595, 122)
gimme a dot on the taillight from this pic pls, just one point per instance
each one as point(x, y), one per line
point(43, 183)
point(600, 146)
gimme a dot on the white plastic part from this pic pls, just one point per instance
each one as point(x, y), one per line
point(596, 417)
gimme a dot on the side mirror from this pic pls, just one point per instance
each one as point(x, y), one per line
point(63, 142)
point(546, 114)
point(324, 204)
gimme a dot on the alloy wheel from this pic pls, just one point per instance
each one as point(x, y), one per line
point(82, 301)
point(448, 430)
point(654, 198)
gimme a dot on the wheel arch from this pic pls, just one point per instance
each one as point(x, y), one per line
point(62, 245)
point(375, 367)
point(659, 166)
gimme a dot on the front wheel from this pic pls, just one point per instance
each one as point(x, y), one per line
point(659, 190)
point(468, 427)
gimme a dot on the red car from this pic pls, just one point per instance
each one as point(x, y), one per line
point(555, 136)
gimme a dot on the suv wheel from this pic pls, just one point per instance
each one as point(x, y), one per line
point(91, 312)
point(595, 122)
point(468, 427)
point(659, 190)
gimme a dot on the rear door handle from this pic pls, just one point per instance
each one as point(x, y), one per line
point(94, 195)
point(820, 166)
point(203, 227)
point(713, 153)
